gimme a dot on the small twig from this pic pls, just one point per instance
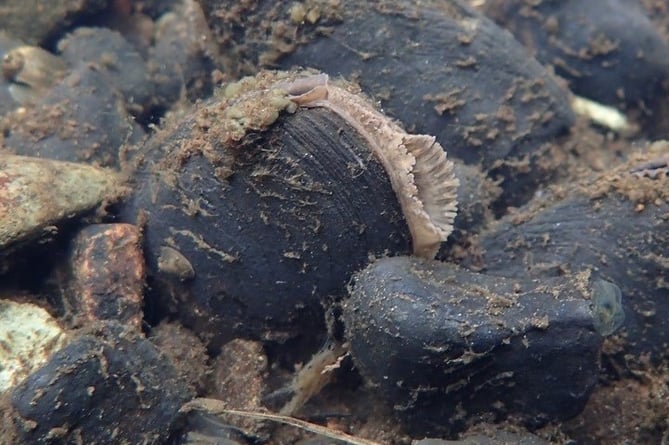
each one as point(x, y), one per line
point(216, 407)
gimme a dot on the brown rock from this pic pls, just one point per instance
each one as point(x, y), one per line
point(107, 274)
point(186, 351)
point(239, 379)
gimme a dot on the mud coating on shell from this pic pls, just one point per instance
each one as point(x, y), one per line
point(439, 343)
point(472, 85)
point(108, 385)
point(608, 50)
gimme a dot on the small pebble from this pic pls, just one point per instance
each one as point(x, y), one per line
point(109, 385)
point(36, 194)
point(28, 337)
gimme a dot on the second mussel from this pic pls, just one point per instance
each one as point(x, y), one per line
point(262, 202)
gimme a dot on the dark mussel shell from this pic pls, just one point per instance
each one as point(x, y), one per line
point(255, 208)
point(578, 272)
point(438, 66)
point(95, 389)
point(608, 50)
point(446, 347)
point(82, 118)
point(615, 227)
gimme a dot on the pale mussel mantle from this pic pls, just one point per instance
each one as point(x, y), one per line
point(264, 201)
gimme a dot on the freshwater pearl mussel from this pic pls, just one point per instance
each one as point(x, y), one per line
point(287, 207)
point(266, 199)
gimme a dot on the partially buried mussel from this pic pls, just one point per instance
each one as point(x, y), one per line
point(554, 289)
point(264, 201)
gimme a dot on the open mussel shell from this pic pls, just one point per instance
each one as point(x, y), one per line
point(438, 66)
point(264, 201)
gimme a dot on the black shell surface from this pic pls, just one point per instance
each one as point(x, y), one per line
point(445, 346)
point(295, 211)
